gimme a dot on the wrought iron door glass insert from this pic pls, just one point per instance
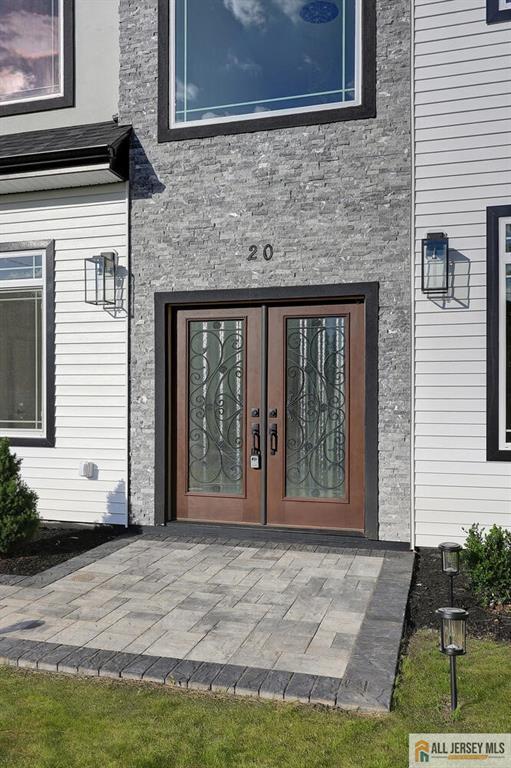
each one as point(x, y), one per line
point(215, 406)
point(315, 407)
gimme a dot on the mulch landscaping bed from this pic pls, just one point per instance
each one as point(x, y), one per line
point(53, 545)
point(430, 590)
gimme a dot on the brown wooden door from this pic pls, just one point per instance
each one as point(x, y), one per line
point(315, 459)
point(218, 386)
point(309, 471)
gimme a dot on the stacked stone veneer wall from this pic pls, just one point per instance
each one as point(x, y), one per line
point(334, 200)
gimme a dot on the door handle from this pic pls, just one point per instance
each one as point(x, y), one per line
point(255, 453)
point(256, 438)
point(274, 439)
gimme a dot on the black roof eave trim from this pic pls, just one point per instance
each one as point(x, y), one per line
point(115, 155)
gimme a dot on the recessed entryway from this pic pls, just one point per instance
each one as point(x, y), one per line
point(268, 416)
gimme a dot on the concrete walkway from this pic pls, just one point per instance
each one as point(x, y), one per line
point(295, 622)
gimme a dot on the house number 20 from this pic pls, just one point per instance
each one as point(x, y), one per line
point(267, 252)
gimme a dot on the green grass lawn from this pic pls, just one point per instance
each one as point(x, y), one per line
point(56, 721)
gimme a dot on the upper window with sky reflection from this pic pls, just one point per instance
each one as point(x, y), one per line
point(245, 59)
point(34, 38)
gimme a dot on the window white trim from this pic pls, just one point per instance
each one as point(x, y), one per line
point(56, 94)
point(504, 259)
point(21, 285)
point(357, 101)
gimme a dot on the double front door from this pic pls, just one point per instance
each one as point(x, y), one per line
point(269, 414)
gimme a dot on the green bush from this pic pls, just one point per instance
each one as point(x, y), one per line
point(18, 504)
point(487, 558)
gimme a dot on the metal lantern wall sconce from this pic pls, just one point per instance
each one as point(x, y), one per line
point(450, 563)
point(435, 264)
point(101, 279)
point(453, 642)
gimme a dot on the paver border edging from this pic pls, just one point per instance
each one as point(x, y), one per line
point(181, 673)
point(368, 682)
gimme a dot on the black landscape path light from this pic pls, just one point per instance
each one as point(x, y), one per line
point(453, 642)
point(450, 563)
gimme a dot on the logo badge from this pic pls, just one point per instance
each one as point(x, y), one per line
point(448, 750)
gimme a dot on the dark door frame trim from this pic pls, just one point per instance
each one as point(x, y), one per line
point(165, 302)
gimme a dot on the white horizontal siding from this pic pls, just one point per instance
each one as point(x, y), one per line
point(90, 354)
point(462, 123)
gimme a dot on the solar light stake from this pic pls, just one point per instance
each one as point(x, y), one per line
point(450, 563)
point(454, 685)
point(453, 642)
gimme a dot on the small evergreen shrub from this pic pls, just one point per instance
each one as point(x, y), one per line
point(18, 504)
point(487, 558)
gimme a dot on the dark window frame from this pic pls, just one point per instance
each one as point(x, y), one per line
point(48, 246)
point(494, 14)
point(68, 97)
point(493, 216)
point(365, 110)
point(169, 302)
